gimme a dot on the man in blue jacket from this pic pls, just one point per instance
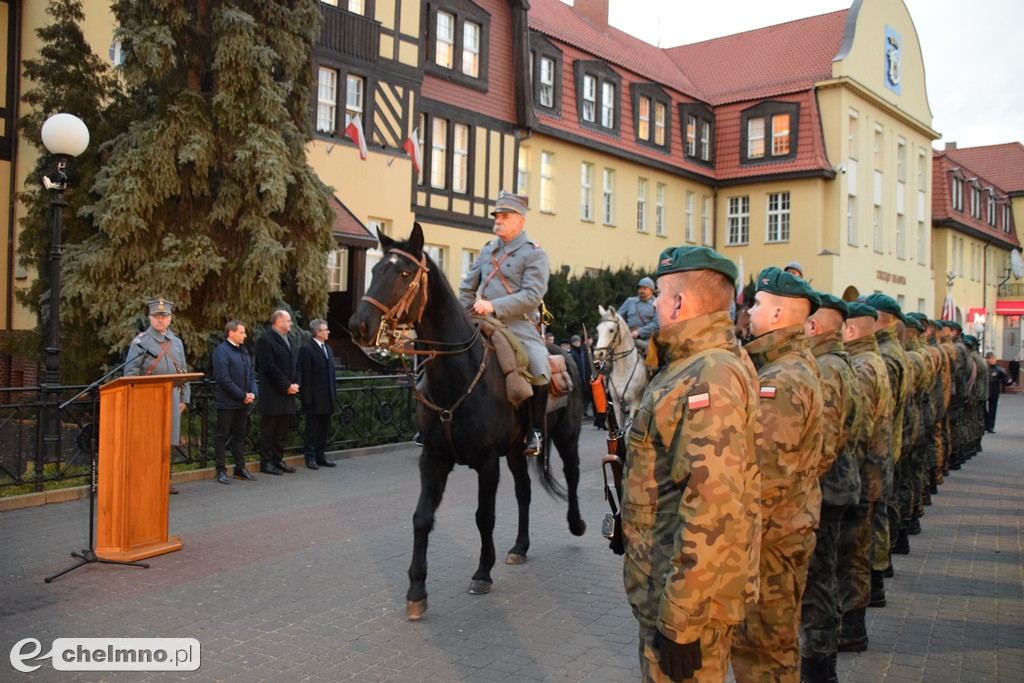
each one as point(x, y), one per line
point(236, 390)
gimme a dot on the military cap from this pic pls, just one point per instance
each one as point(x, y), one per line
point(684, 258)
point(915, 323)
point(917, 315)
point(646, 282)
point(794, 265)
point(859, 309)
point(160, 306)
point(511, 203)
point(886, 304)
point(776, 281)
point(970, 340)
point(835, 303)
point(954, 325)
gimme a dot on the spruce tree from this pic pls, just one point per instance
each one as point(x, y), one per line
point(206, 198)
point(66, 77)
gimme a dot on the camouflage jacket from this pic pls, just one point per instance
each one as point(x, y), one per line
point(839, 468)
point(961, 370)
point(790, 444)
point(876, 397)
point(690, 508)
point(948, 351)
point(895, 359)
point(923, 372)
point(979, 378)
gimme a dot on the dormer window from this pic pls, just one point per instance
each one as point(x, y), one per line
point(650, 114)
point(546, 75)
point(769, 132)
point(597, 96)
point(698, 132)
point(456, 45)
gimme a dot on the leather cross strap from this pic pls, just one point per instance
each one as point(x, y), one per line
point(164, 348)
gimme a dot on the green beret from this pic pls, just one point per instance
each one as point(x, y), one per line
point(914, 323)
point(859, 309)
point(776, 281)
point(970, 340)
point(917, 315)
point(684, 258)
point(886, 304)
point(954, 325)
point(835, 303)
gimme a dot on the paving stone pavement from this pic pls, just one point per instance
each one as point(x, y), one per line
point(303, 577)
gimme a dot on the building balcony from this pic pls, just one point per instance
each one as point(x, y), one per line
point(1011, 290)
point(349, 34)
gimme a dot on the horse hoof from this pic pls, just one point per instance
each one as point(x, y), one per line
point(577, 527)
point(414, 609)
point(477, 587)
point(515, 558)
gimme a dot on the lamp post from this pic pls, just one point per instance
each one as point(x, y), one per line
point(65, 136)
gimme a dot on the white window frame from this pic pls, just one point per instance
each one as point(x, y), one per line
point(327, 101)
point(547, 182)
point(901, 236)
point(355, 95)
point(460, 158)
point(659, 211)
point(608, 197)
point(643, 126)
point(438, 253)
point(444, 40)
point(780, 135)
point(755, 138)
point(586, 192)
point(468, 259)
point(547, 82)
point(641, 205)
point(589, 111)
point(852, 236)
point(705, 220)
point(705, 140)
point(660, 116)
point(957, 194)
point(777, 217)
point(523, 171)
point(439, 153)
point(853, 135)
point(608, 95)
point(691, 135)
point(901, 160)
point(689, 236)
point(878, 240)
point(738, 220)
point(472, 35)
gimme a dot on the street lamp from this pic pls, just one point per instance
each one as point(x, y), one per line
point(65, 136)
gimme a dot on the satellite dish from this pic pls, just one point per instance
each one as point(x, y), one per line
point(1016, 264)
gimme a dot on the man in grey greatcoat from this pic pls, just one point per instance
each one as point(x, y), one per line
point(158, 351)
point(509, 280)
point(639, 314)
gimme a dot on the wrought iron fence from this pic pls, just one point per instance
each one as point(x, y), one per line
point(370, 410)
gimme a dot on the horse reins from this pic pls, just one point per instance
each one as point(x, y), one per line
point(389, 321)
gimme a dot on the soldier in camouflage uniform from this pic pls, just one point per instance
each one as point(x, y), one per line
point(839, 477)
point(690, 509)
point(961, 382)
point(979, 393)
point(930, 395)
point(876, 458)
point(945, 335)
point(509, 280)
point(889, 333)
point(917, 420)
point(766, 646)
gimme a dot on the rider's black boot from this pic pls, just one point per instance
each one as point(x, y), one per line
point(535, 429)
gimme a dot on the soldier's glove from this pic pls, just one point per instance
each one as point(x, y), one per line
point(678, 661)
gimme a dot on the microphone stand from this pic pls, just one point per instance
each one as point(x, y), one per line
point(88, 555)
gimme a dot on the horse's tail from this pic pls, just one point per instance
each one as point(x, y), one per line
point(542, 465)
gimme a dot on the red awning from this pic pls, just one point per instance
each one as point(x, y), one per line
point(1010, 307)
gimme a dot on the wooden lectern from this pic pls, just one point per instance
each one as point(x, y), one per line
point(135, 467)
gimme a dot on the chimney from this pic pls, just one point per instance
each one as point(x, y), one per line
point(950, 145)
point(594, 11)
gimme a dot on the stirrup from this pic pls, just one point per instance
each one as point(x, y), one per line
point(532, 443)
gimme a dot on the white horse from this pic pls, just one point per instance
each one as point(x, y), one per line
point(628, 376)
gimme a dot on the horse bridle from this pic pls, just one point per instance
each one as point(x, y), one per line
point(615, 340)
point(387, 333)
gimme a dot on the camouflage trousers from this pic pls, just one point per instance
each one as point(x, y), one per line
point(715, 640)
point(880, 535)
point(819, 620)
point(766, 646)
point(854, 559)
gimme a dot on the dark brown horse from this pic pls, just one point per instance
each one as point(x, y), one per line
point(463, 414)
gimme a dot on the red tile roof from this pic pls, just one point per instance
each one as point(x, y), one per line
point(556, 19)
point(1002, 165)
point(944, 166)
point(347, 229)
point(764, 62)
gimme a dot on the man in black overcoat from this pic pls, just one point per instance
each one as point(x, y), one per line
point(317, 384)
point(278, 367)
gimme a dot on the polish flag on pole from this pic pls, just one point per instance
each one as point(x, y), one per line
point(739, 284)
point(412, 147)
point(354, 132)
point(949, 308)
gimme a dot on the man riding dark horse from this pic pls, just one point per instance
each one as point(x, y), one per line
point(509, 280)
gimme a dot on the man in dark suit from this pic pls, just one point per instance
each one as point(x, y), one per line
point(278, 367)
point(317, 383)
point(236, 389)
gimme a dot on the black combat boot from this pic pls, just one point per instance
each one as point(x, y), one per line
point(877, 589)
point(854, 635)
point(889, 572)
point(814, 669)
point(902, 544)
point(535, 430)
point(933, 483)
point(833, 659)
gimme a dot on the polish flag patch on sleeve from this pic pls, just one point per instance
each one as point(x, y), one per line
point(698, 401)
point(767, 392)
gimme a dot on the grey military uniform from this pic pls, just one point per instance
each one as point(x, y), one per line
point(152, 353)
point(516, 292)
point(640, 316)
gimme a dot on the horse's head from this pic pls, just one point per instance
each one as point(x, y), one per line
point(398, 291)
point(611, 332)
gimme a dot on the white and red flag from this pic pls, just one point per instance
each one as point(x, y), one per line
point(412, 148)
point(354, 132)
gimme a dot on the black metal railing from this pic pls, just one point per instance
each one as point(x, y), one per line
point(370, 410)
